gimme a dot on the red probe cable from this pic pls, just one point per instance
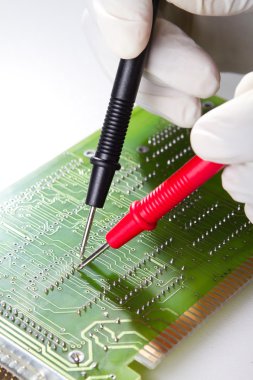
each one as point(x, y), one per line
point(144, 214)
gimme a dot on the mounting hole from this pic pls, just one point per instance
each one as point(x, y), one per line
point(89, 153)
point(207, 106)
point(76, 356)
point(142, 149)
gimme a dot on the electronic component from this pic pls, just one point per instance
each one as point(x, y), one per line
point(134, 303)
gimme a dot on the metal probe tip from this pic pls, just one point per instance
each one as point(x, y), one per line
point(94, 255)
point(87, 230)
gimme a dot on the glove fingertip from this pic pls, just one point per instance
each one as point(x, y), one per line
point(248, 209)
point(202, 142)
point(179, 108)
point(191, 113)
point(209, 78)
point(125, 26)
point(227, 178)
point(245, 85)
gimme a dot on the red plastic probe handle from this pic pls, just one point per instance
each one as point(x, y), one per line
point(144, 214)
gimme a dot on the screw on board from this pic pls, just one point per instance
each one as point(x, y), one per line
point(76, 357)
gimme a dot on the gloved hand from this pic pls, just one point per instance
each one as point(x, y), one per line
point(178, 73)
point(225, 135)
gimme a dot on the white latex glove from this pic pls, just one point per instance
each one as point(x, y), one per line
point(178, 71)
point(225, 135)
point(214, 7)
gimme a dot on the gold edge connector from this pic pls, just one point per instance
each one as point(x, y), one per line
point(153, 352)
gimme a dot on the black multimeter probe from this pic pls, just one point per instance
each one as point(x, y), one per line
point(106, 159)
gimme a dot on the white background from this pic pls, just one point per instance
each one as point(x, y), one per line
point(52, 95)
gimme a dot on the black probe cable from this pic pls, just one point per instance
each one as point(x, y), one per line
point(106, 159)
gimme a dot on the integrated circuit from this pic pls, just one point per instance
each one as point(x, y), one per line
point(135, 303)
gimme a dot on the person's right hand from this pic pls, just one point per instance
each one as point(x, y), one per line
point(178, 71)
point(225, 135)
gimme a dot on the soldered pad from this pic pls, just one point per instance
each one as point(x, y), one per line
point(133, 303)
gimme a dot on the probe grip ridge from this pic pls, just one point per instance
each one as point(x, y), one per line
point(144, 214)
point(106, 159)
point(167, 195)
point(176, 188)
point(114, 129)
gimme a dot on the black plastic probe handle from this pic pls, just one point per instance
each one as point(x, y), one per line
point(106, 159)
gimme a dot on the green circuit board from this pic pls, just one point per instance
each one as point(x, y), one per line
point(134, 303)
